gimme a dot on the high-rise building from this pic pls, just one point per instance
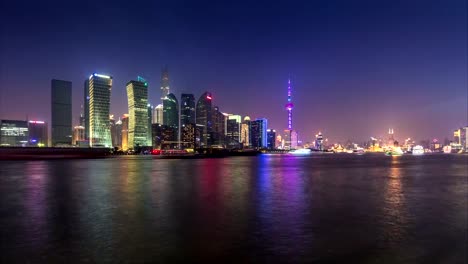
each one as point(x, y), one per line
point(164, 83)
point(38, 133)
point(125, 132)
point(245, 132)
point(149, 138)
point(78, 135)
point(163, 136)
point(99, 104)
point(294, 139)
point(259, 133)
point(233, 130)
point(86, 108)
point(271, 139)
point(218, 127)
point(188, 135)
point(187, 109)
point(137, 94)
point(116, 132)
point(61, 112)
point(158, 114)
point(204, 120)
point(14, 133)
point(171, 114)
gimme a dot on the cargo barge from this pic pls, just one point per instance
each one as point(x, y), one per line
point(41, 153)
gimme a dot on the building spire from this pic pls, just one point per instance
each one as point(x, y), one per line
point(164, 82)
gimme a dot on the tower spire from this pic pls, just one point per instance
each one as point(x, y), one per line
point(289, 106)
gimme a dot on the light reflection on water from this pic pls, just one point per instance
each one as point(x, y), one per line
point(244, 209)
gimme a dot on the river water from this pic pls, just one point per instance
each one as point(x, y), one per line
point(271, 208)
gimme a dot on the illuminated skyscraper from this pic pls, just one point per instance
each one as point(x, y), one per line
point(271, 139)
point(245, 132)
point(233, 130)
point(164, 83)
point(171, 114)
point(218, 127)
point(125, 132)
point(137, 94)
point(99, 103)
point(149, 138)
point(259, 133)
point(187, 109)
point(61, 112)
point(204, 120)
point(158, 114)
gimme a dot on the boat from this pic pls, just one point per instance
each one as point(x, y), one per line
point(359, 151)
point(394, 152)
point(417, 150)
point(303, 151)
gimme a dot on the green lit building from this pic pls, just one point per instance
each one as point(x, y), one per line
point(137, 94)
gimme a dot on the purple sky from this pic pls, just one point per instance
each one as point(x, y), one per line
point(357, 67)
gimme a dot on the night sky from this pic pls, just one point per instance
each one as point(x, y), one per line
point(357, 67)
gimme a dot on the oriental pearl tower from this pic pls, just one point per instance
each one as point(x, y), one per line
point(289, 107)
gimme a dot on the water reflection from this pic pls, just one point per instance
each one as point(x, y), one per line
point(35, 204)
point(395, 219)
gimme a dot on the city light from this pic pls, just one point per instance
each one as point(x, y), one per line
point(101, 75)
point(37, 122)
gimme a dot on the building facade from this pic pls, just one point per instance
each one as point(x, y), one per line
point(204, 120)
point(125, 132)
point(78, 135)
point(14, 133)
point(158, 114)
point(171, 114)
point(99, 104)
point(137, 95)
point(271, 139)
point(245, 132)
point(38, 136)
point(164, 83)
point(187, 109)
point(61, 112)
point(259, 133)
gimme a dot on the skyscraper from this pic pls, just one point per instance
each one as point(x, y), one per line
point(218, 127)
point(158, 114)
point(137, 94)
point(245, 132)
point(149, 138)
point(171, 114)
point(204, 120)
point(125, 132)
point(99, 103)
point(187, 109)
point(61, 112)
point(164, 83)
point(271, 139)
point(233, 130)
point(259, 133)
point(86, 109)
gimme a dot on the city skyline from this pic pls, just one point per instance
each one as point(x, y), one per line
point(391, 69)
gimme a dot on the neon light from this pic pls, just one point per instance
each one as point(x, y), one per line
point(37, 122)
point(102, 76)
point(208, 97)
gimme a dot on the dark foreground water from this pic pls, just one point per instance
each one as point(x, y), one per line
point(324, 209)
